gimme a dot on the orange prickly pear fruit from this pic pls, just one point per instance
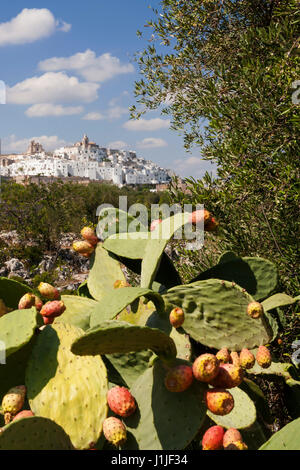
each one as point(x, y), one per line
point(119, 284)
point(121, 401)
point(27, 301)
point(255, 310)
point(206, 367)
point(247, 359)
point(179, 378)
point(38, 303)
point(176, 317)
point(114, 431)
point(219, 401)
point(89, 235)
point(213, 438)
point(84, 248)
point(199, 216)
point(48, 291)
point(53, 309)
point(263, 357)
point(230, 436)
point(223, 355)
point(23, 414)
point(229, 376)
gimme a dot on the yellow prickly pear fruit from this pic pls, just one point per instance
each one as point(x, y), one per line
point(114, 431)
point(119, 284)
point(48, 291)
point(223, 355)
point(235, 359)
point(219, 401)
point(27, 301)
point(13, 402)
point(263, 357)
point(89, 235)
point(229, 376)
point(84, 248)
point(247, 359)
point(206, 367)
point(255, 310)
point(176, 317)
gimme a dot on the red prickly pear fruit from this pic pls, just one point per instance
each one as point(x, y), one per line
point(206, 367)
point(114, 431)
point(23, 414)
point(223, 355)
point(263, 357)
point(199, 216)
point(120, 284)
point(176, 317)
point(255, 310)
point(38, 303)
point(179, 378)
point(213, 438)
point(48, 291)
point(219, 401)
point(229, 376)
point(53, 309)
point(89, 235)
point(230, 436)
point(237, 445)
point(13, 402)
point(121, 402)
point(48, 320)
point(154, 224)
point(235, 358)
point(247, 359)
point(27, 301)
point(84, 248)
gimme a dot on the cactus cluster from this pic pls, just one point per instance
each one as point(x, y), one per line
point(116, 366)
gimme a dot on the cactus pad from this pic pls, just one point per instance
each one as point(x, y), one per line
point(70, 390)
point(285, 439)
point(11, 292)
point(78, 310)
point(17, 329)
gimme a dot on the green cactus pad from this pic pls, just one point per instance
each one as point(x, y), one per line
point(78, 311)
point(12, 291)
point(281, 369)
point(164, 420)
point(216, 315)
point(34, 433)
point(243, 414)
point(156, 246)
point(130, 366)
point(112, 221)
point(16, 329)
point(70, 390)
point(83, 290)
point(121, 337)
point(277, 300)
point(257, 275)
point(114, 302)
point(285, 439)
point(105, 270)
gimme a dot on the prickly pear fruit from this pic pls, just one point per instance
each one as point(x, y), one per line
point(197, 217)
point(48, 291)
point(263, 357)
point(154, 224)
point(219, 401)
point(237, 445)
point(223, 355)
point(89, 235)
point(255, 310)
point(230, 436)
point(114, 431)
point(213, 438)
point(235, 359)
point(179, 378)
point(13, 402)
point(211, 225)
point(27, 301)
point(38, 303)
point(84, 248)
point(121, 401)
point(206, 367)
point(53, 309)
point(247, 359)
point(120, 284)
point(229, 376)
point(23, 414)
point(176, 317)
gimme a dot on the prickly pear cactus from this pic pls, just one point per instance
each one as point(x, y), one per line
point(17, 328)
point(11, 292)
point(216, 315)
point(68, 389)
point(78, 311)
point(285, 439)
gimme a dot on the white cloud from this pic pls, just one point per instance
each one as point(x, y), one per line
point(88, 65)
point(118, 144)
point(12, 144)
point(93, 117)
point(29, 26)
point(115, 112)
point(193, 166)
point(147, 124)
point(48, 109)
point(151, 142)
point(52, 88)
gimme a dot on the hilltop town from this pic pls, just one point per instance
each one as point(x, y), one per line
point(84, 159)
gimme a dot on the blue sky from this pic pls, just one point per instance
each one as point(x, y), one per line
point(69, 69)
